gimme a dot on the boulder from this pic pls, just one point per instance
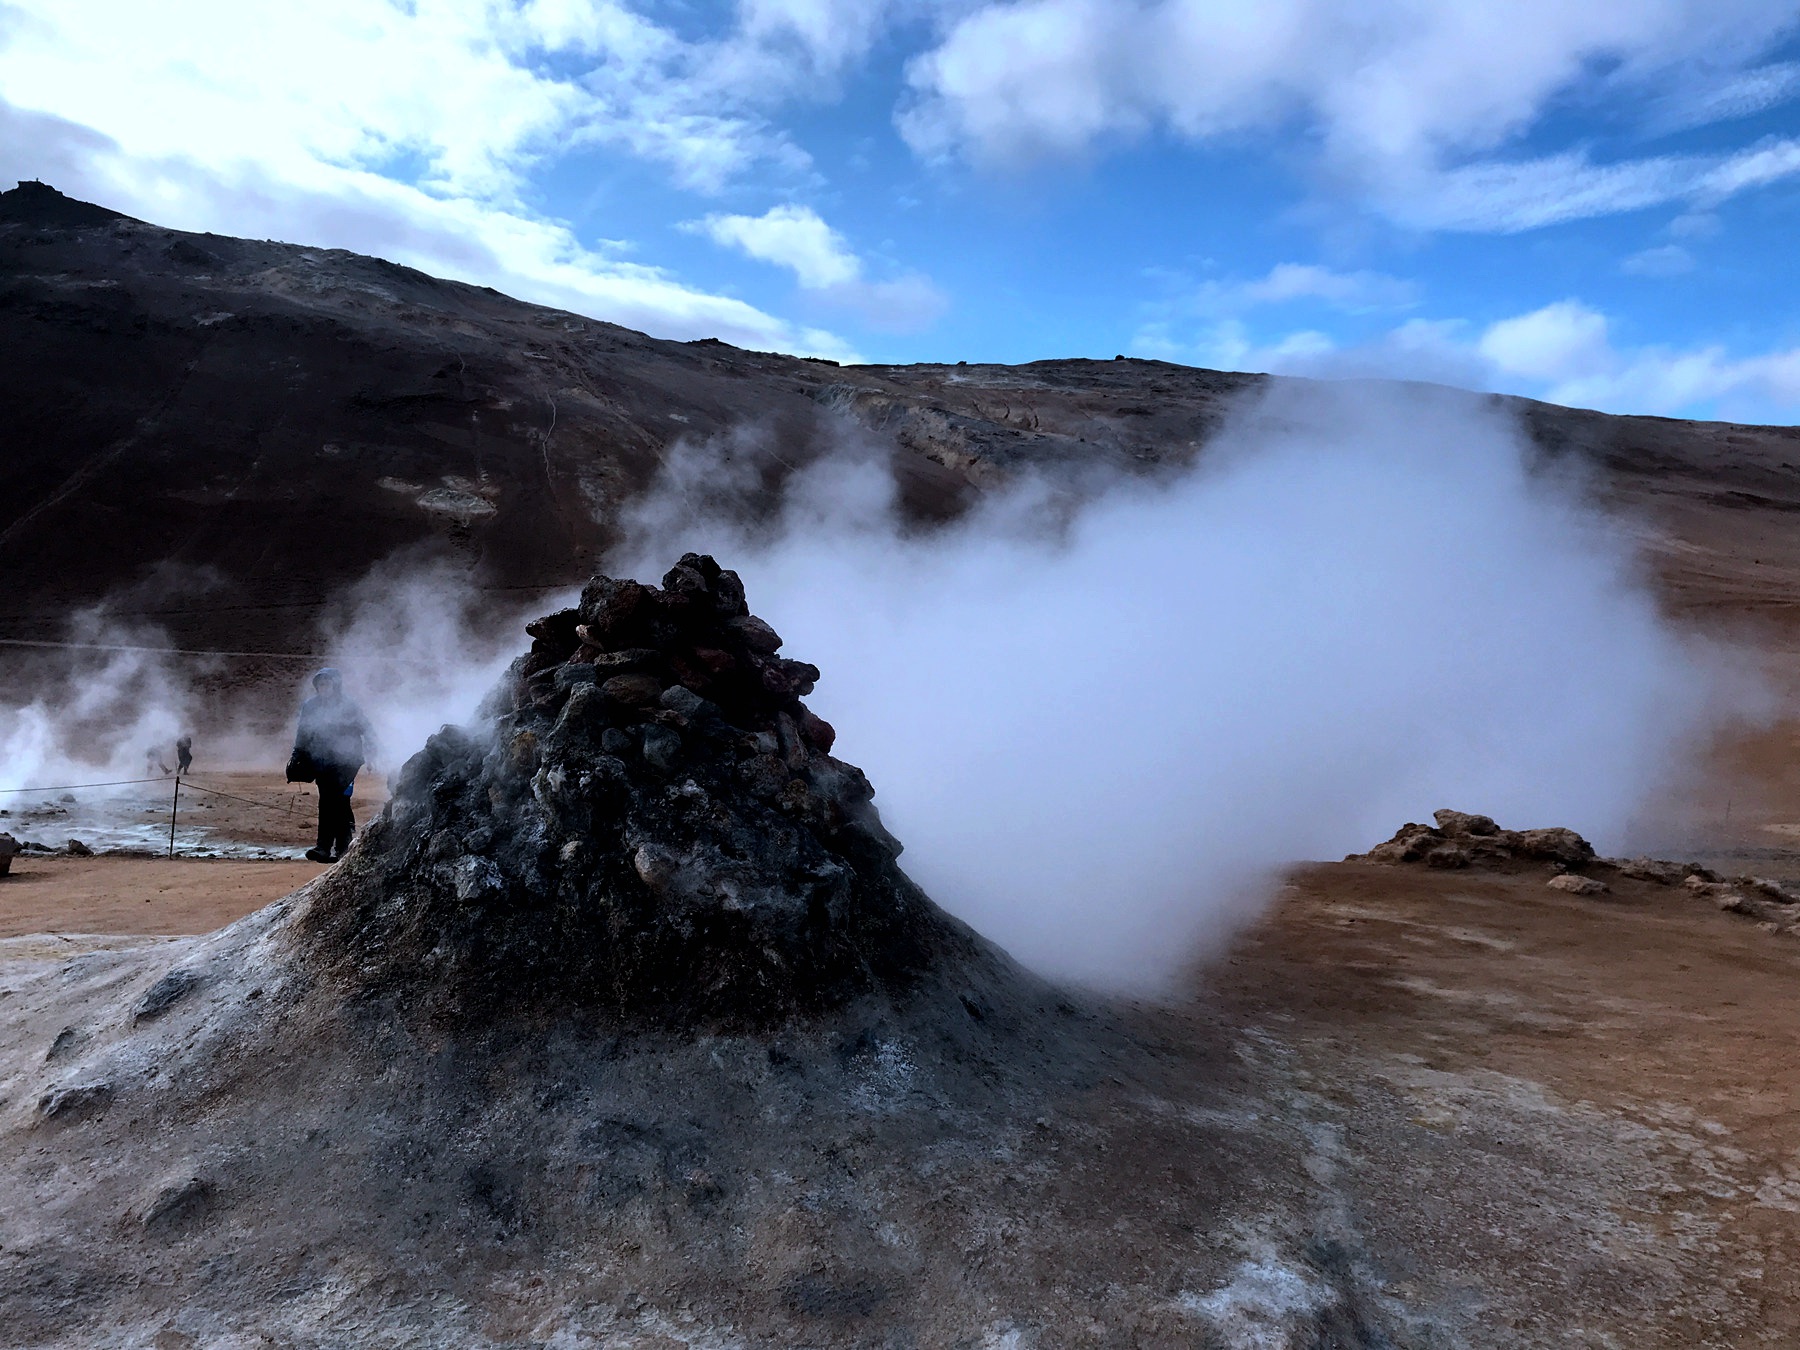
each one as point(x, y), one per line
point(1462, 822)
point(1475, 840)
point(1555, 844)
point(1573, 884)
point(1647, 869)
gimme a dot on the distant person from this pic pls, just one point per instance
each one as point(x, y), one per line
point(184, 754)
point(332, 743)
point(153, 764)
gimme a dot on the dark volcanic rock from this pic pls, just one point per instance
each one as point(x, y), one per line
point(676, 843)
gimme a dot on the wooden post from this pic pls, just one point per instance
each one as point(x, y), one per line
point(172, 809)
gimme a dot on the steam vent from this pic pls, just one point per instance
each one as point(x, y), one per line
point(622, 1028)
point(652, 825)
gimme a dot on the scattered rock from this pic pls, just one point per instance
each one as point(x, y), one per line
point(1478, 841)
point(1461, 839)
point(165, 994)
point(1770, 890)
point(1647, 869)
point(67, 1040)
point(177, 1202)
point(76, 849)
point(1555, 845)
point(1577, 885)
point(75, 1100)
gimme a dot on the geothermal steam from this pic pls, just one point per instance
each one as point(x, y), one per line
point(1101, 731)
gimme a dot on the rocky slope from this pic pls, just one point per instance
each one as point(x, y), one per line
point(270, 421)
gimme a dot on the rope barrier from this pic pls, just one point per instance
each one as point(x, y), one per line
point(71, 787)
point(188, 783)
point(287, 810)
point(316, 658)
point(164, 651)
point(180, 782)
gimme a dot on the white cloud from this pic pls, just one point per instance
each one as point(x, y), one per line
point(1228, 345)
point(795, 237)
point(1511, 196)
point(1563, 341)
point(1669, 260)
point(1726, 95)
point(412, 129)
point(459, 237)
point(1565, 351)
point(789, 236)
point(1285, 283)
point(1406, 100)
point(1562, 352)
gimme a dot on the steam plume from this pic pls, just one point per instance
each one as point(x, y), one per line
point(1101, 734)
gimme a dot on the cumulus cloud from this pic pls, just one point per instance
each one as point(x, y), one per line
point(797, 238)
point(1407, 101)
point(1564, 352)
point(464, 238)
point(414, 130)
point(1563, 341)
point(789, 236)
point(1229, 345)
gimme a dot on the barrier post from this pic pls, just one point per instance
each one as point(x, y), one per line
point(172, 809)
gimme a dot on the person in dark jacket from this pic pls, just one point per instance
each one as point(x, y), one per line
point(334, 735)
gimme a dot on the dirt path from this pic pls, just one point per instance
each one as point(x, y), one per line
point(139, 895)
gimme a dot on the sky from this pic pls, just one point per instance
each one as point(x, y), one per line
point(1591, 203)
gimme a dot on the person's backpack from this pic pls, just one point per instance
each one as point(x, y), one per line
point(300, 768)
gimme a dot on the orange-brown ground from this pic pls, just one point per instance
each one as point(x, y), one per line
point(1671, 1027)
point(139, 895)
point(1646, 1043)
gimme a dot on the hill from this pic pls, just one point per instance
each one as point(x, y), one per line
point(276, 419)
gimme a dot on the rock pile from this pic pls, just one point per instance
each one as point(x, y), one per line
point(650, 823)
point(1464, 840)
point(1460, 839)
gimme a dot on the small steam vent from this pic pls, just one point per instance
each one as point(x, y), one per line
point(648, 822)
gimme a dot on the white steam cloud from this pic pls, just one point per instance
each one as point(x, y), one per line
point(1101, 733)
point(419, 646)
point(100, 718)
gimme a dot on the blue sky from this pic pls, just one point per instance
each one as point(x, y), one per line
point(1592, 203)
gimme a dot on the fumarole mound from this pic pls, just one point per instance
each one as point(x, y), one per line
point(649, 823)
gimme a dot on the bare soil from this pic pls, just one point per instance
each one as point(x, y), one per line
point(1429, 1008)
point(119, 895)
point(1522, 1117)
